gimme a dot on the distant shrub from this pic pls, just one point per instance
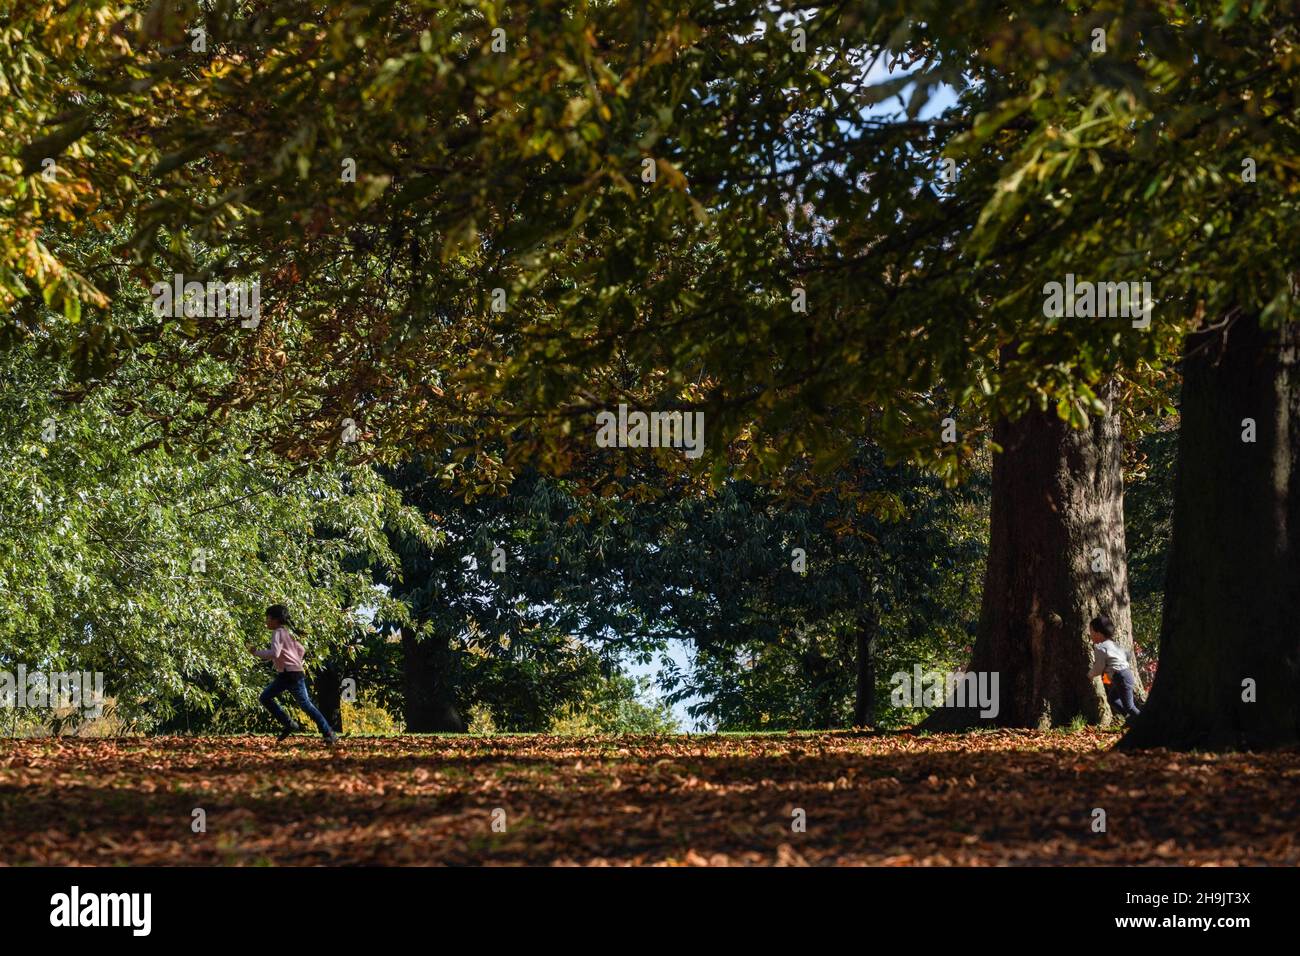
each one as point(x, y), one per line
point(480, 720)
point(367, 718)
point(621, 705)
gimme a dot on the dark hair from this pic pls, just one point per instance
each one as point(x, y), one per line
point(1103, 626)
point(278, 612)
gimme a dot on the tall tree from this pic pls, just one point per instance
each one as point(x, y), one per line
point(154, 567)
point(1056, 560)
point(796, 596)
point(705, 193)
point(512, 609)
point(1202, 103)
point(1229, 658)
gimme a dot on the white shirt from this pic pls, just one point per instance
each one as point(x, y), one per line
point(1108, 657)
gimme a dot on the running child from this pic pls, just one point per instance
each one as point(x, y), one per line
point(286, 654)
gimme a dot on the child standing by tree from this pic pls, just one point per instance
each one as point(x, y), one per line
point(1109, 659)
point(286, 654)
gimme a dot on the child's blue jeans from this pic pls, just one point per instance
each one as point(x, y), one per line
point(295, 682)
point(1121, 693)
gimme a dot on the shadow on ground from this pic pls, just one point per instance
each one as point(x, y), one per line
point(979, 799)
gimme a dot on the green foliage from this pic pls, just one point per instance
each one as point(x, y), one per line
point(368, 718)
point(154, 567)
point(776, 648)
point(1148, 516)
point(778, 168)
point(619, 704)
point(509, 595)
point(481, 167)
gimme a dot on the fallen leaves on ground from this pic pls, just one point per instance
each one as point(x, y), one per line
point(993, 798)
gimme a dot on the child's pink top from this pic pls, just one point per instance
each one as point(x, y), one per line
point(285, 652)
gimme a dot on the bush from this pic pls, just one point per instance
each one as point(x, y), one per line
point(367, 718)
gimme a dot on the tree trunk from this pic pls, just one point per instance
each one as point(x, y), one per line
point(1232, 591)
point(429, 692)
point(1056, 560)
point(327, 691)
point(864, 701)
point(818, 672)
